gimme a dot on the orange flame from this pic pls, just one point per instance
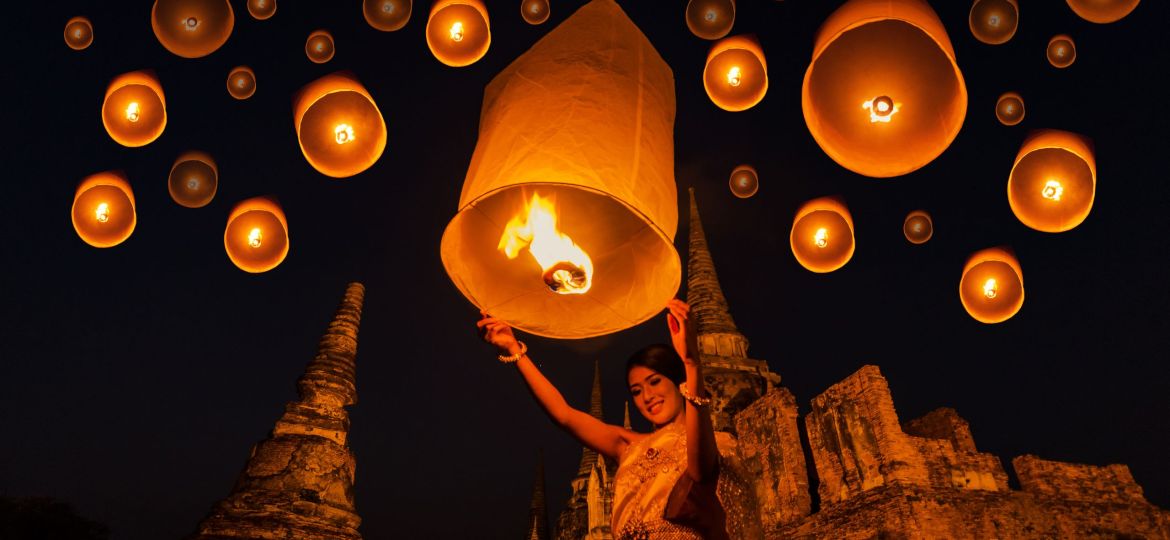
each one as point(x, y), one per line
point(567, 268)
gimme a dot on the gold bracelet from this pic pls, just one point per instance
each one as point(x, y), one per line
point(514, 357)
point(695, 400)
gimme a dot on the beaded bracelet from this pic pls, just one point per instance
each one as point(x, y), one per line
point(514, 357)
point(695, 400)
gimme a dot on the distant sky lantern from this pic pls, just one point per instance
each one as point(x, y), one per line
point(918, 227)
point(1009, 109)
point(262, 9)
point(822, 235)
point(339, 127)
point(387, 15)
point(458, 31)
point(193, 180)
point(534, 11)
point(736, 74)
point(192, 28)
point(134, 111)
point(1053, 181)
point(568, 213)
point(1062, 51)
point(256, 237)
point(994, 21)
point(710, 19)
point(241, 83)
point(992, 287)
point(1102, 11)
point(78, 33)
point(744, 181)
point(319, 47)
point(103, 210)
point(883, 95)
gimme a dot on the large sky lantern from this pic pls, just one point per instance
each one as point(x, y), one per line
point(193, 180)
point(534, 11)
point(256, 237)
point(994, 22)
point(134, 111)
point(567, 216)
point(78, 33)
point(1102, 11)
point(192, 28)
point(103, 210)
point(883, 95)
point(1053, 181)
point(744, 181)
point(319, 47)
point(387, 15)
point(339, 126)
point(736, 74)
point(1009, 109)
point(1062, 51)
point(992, 286)
point(241, 83)
point(262, 9)
point(458, 31)
point(710, 19)
point(918, 227)
point(822, 235)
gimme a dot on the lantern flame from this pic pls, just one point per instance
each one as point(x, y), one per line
point(710, 15)
point(192, 183)
point(567, 268)
point(990, 288)
point(191, 23)
point(1052, 190)
point(881, 109)
point(254, 237)
point(734, 76)
point(102, 213)
point(343, 133)
point(821, 239)
point(457, 32)
point(133, 111)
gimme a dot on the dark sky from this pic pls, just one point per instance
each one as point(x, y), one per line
point(135, 379)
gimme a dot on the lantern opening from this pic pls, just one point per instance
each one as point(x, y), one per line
point(255, 237)
point(1052, 190)
point(343, 133)
point(103, 212)
point(132, 111)
point(733, 76)
point(567, 269)
point(191, 23)
point(881, 109)
point(457, 32)
point(990, 289)
point(992, 286)
point(821, 238)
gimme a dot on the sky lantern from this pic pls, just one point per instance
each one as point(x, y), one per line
point(241, 83)
point(822, 235)
point(1009, 109)
point(567, 216)
point(992, 287)
point(1053, 181)
point(744, 181)
point(882, 95)
point(534, 11)
point(256, 237)
point(994, 21)
point(710, 19)
point(1062, 51)
point(736, 74)
point(918, 227)
point(339, 127)
point(78, 33)
point(458, 31)
point(103, 210)
point(387, 15)
point(134, 111)
point(319, 47)
point(1102, 11)
point(262, 9)
point(193, 179)
point(192, 28)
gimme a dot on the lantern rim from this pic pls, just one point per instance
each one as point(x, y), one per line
point(832, 205)
point(188, 50)
point(996, 254)
point(535, 21)
point(257, 204)
point(202, 157)
point(251, 74)
point(479, 7)
point(742, 42)
point(998, 41)
point(929, 220)
point(322, 87)
point(744, 167)
point(144, 78)
point(89, 28)
point(261, 15)
point(706, 35)
point(1054, 139)
point(1101, 15)
point(378, 25)
point(1004, 97)
point(114, 179)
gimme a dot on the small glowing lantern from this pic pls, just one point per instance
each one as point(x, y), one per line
point(103, 210)
point(319, 47)
point(262, 9)
point(710, 19)
point(883, 95)
point(241, 83)
point(1009, 109)
point(736, 74)
point(256, 238)
point(339, 127)
point(192, 28)
point(994, 21)
point(134, 111)
point(1053, 181)
point(822, 235)
point(534, 11)
point(576, 146)
point(193, 179)
point(744, 181)
point(1102, 11)
point(918, 227)
point(1062, 52)
point(387, 15)
point(78, 33)
point(458, 31)
point(992, 287)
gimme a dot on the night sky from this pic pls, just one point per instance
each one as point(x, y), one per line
point(135, 379)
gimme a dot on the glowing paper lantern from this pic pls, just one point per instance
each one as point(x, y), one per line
point(103, 210)
point(1062, 52)
point(744, 181)
point(458, 31)
point(193, 179)
point(992, 287)
point(387, 15)
point(1053, 181)
point(78, 33)
point(241, 83)
point(134, 111)
point(736, 74)
point(710, 19)
point(822, 235)
point(994, 21)
point(319, 47)
point(576, 139)
point(883, 95)
point(256, 237)
point(534, 11)
point(192, 28)
point(918, 227)
point(339, 127)
point(262, 9)
point(1102, 11)
point(1009, 109)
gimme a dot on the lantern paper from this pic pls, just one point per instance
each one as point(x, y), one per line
point(192, 28)
point(319, 47)
point(744, 181)
point(534, 11)
point(103, 210)
point(994, 21)
point(339, 127)
point(736, 74)
point(918, 227)
point(241, 83)
point(256, 237)
point(883, 95)
point(134, 111)
point(710, 19)
point(585, 119)
point(193, 180)
point(992, 286)
point(1102, 11)
point(387, 15)
point(78, 33)
point(1053, 181)
point(262, 9)
point(458, 31)
point(1062, 51)
point(822, 235)
point(1009, 109)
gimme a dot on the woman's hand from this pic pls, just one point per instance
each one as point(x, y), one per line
point(682, 330)
point(498, 333)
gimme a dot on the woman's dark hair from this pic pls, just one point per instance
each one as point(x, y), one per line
point(660, 358)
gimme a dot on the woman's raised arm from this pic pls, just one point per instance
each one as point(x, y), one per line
point(702, 452)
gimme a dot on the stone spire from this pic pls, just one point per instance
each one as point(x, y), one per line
point(537, 515)
point(626, 420)
point(589, 456)
point(717, 332)
point(298, 483)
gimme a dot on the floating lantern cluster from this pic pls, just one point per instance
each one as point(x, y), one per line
point(458, 31)
point(192, 28)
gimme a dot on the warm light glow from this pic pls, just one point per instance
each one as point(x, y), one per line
point(191, 23)
point(881, 109)
point(102, 213)
point(710, 15)
point(821, 238)
point(103, 210)
point(254, 237)
point(1052, 190)
point(343, 133)
point(567, 268)
point(457, 32)
point(133, 111)
point(734, 76)
point(990, 288)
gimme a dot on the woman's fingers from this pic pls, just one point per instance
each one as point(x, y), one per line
point(672, 322)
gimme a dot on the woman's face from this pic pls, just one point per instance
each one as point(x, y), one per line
point(655, 396)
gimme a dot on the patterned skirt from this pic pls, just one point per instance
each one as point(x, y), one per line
point(659, 529)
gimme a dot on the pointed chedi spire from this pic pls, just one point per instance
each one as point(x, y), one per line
point(626, 420)
point(717, 332)
point(537, 514)
point(589, 456)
